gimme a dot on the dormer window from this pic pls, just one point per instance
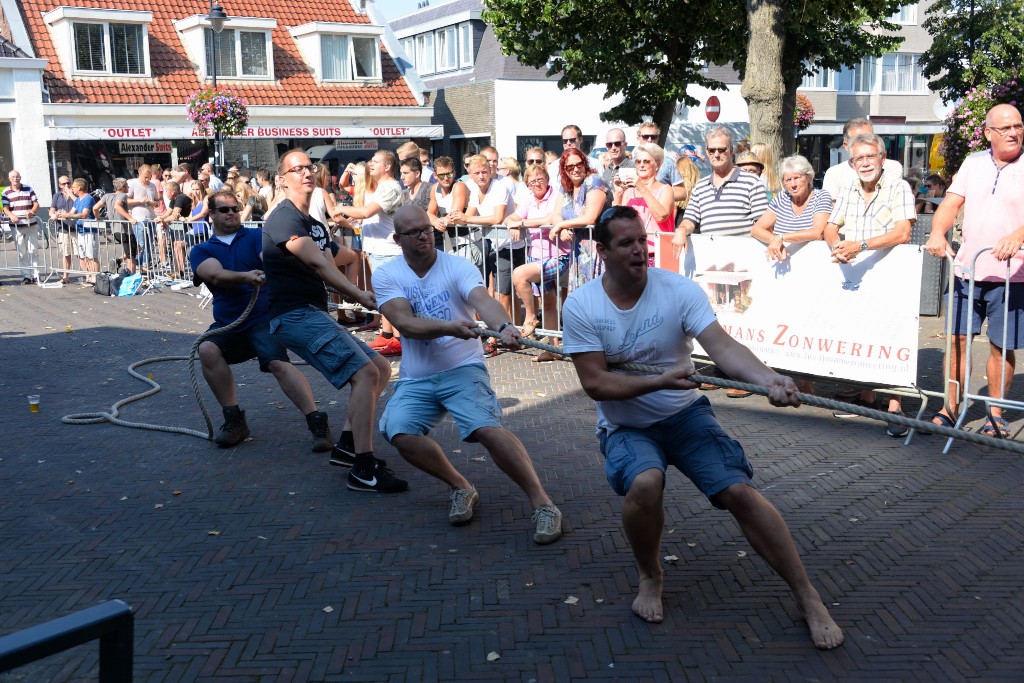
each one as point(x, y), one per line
point(340, 53)
point(103, 42)
point(244, 47)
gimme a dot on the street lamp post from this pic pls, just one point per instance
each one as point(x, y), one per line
point(216, 19)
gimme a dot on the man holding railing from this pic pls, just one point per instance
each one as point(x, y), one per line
point(988, 188)
point(61, 206)
point(20, 204)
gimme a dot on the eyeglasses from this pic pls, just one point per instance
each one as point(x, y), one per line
point(649, 137)
point(643, 162)
point(537, 182)
point(416, 234)
point(227, 209)
point(569, 141)
point(575, 167)
point(1005, 130)
point(445, 176)
point(298, 170)
point(864, 157)
point(530, 162)
point(717, 150)
point(615, 143)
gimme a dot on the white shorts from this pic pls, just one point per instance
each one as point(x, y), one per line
point(88, 245)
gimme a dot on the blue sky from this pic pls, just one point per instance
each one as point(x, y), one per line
point(396, 8)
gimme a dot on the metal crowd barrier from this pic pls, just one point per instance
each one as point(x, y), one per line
point(964, 392)
point(112, 623)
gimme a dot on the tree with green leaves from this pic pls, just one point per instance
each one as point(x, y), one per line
point(649, 51)
point(974, 43)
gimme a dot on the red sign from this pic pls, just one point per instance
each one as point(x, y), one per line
point(713, 108)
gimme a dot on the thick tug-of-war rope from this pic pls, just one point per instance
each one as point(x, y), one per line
point(112, 416)
point(808, 399)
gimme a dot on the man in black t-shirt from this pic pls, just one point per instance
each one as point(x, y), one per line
point(298, 262)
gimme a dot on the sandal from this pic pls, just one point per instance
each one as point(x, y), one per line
point(942, 420)
point(996, 427)
point(528, 328)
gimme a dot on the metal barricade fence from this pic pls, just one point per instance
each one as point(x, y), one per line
point(20, 249)
point(964, 392)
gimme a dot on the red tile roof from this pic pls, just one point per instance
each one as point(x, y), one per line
point(174, 78)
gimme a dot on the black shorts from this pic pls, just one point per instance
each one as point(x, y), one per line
point(502, 261)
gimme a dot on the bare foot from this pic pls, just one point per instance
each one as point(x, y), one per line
point(647, 604)
point(825, 633)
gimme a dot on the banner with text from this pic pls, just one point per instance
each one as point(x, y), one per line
point(856, 321)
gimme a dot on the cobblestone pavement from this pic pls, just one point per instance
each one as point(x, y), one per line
point(257, 564)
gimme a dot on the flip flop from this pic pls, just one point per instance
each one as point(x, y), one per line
point(997, 427)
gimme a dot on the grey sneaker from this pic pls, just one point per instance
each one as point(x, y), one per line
point(549, 524)
point(463, 501)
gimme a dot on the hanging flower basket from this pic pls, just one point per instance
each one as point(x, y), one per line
point(212, 110)
point(803, 115)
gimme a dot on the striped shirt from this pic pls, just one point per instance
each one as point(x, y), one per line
point(860, 220)
point(20, 203)
point(786, 219)
point(731, 209)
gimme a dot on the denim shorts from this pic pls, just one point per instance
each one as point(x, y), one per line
point(989, 299)
point(378, 260)
point(254, 341)
point(692, 440)
point(318, 339)
point(418, 405)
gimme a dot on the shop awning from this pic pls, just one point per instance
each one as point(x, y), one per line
point(253, 132)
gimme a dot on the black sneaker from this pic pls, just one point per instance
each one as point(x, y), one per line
point(233, 431)
point(317, 423)
point(380, 480)
point(342, 457)
point(896, 430)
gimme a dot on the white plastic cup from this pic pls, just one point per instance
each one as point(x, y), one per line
point(33, 403)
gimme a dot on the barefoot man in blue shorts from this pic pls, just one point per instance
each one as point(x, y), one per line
point(646, 422)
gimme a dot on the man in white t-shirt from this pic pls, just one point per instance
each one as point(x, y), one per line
point(142, 200)
point(431, 297)
point(843, 174)
point(646, 422)
point(378, 227)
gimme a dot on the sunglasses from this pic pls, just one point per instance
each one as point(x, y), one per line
point(64, 184)
point(228, 209)
point(650, 137)
point(717, 150)
point(575, 167)
point(615, 143)
point(445, 176)
point(568, 141)
point(534, 161)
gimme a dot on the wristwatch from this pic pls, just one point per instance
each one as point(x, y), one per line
point(863, 246)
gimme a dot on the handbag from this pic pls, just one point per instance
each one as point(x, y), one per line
point(107, 284)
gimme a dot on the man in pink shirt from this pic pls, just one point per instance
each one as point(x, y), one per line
point(988, 187)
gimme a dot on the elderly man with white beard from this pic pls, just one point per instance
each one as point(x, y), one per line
point(876, 212)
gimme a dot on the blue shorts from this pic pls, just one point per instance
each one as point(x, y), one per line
point(254, 341)
point(418, 405)
point(319, 340)
point(378, 260)
point(989, 299)
point(692, 440)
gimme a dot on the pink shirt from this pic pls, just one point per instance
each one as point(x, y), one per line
point(993, 208)
point(540, 246)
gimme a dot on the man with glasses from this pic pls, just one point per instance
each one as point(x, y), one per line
point(874, 212)
point(230, 265)
point(843, 174)
point(432, 297)
point(298, 262)
point(62, 206)
point(615, 146)
point(988, 190)
point(572, 138)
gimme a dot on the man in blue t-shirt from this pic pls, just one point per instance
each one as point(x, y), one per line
point(230, 265)
point(87, 233)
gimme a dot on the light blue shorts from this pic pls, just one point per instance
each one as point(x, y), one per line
point(692, 440)
point(418, 405)
point(378, 260)
point(319, 340)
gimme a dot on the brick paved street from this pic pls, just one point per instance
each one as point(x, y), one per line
point(257, 564)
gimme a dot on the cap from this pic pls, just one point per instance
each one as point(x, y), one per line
point(748, 158)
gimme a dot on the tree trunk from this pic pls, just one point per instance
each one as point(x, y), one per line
point(763, 88)
point(663, 114)
point(788, 117)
